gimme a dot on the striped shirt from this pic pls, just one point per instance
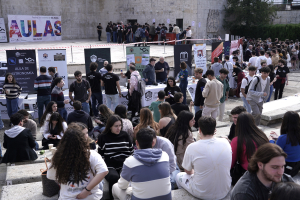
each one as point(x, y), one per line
point(115, 148)
point(57, 95)
point(15, 90)
point(42, 84)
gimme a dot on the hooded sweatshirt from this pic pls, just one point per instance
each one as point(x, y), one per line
point(148, 171)
point(80, 116)
point(135, 76)
point(14, 131)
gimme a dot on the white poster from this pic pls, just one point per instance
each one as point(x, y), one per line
point(55, 58)
point(200, 56)
point(30, 28)
point(3, 37)
point(193, 23)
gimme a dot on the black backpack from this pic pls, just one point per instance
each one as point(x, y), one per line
point(247, 87)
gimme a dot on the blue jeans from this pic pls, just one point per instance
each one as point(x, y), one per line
point(12, 106)
point(271, 92)
point(246, 104)
point(149, 82)
point(36, 146)
point(1, 123)
point(196, 108)
point(183, 85)
point(63, 112)
point(86, 107)
point(177, 38)
point(108, 37)
point(41, 102)
point(161, 81)
point(115, 36)
point(112, 99)
point(173, 177)
point(96, 96)
point(0, 150)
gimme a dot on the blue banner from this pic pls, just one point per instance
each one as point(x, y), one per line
point(227, 48)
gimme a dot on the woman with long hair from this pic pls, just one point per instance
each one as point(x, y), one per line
point(50, 109)
point(12, 91)
point(170, 90)
point(83, 127)
point(180, 134)
point(167, 118)
point(54, 130)
point(146, 119)
point(127, 124)
point(104, 114)
point(289, 141)
point(77, 169)
point(248, 137)
point(272, 81)
point(183, 75)
point(115, 146)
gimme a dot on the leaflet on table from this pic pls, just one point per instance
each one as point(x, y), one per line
point(130, 58)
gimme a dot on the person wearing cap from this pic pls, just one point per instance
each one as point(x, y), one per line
point(149, 72)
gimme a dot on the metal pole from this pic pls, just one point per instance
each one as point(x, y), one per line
point(123, 51)
point(72, 53)
point(90, 46)
point(164, 48)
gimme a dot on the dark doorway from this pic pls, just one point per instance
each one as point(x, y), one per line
point(179, 23)
point(132, 21)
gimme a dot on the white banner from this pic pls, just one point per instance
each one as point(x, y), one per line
point(3, 37)
point(200, 56)
point(55, 58)
point(30, 28)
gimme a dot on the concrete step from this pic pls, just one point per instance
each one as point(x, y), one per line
point(182, 194)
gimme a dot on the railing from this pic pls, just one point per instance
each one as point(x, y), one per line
point(287, 5)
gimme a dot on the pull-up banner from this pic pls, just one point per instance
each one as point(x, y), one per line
point(55, 58)
point(96, 55)
point(182, 53)
point(22, 64)
point(200, 56)
point(33, 28)
point(217, 50)
point(138, 55)
point(3, 37)
point(227, 48)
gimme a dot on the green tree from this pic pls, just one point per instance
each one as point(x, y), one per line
point(248, 13)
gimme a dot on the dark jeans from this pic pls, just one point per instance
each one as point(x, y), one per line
point(120, 39)
point(96, 97)
point(112, 177)
point(161, 81)
point(278, 87)
point(188, 41)
point(115, 37)
point(99, 35)
point(41, 102)
point(152, 38)
point(183, 85)
point(12, 106)
point(137, 39)
point(149, 82)
point(63, 112)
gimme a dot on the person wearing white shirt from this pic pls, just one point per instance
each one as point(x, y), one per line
point(260, 59)
point(103, 70)
point(207, 164)
point(229, 66)
point(268, 56)
point(188, 35)
point(246, 81)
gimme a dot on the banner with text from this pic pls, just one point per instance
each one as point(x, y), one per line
point(55, 58)
point(217, 50)
point(200, 56)
point(3, 37)
point(182, 53)
point(96, 55)
point(32, 28)
point(234, 46)
point(22, 64)
point(138, 55)
point(227, 48)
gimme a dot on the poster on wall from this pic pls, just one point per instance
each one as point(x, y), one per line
point(138, 55)
point(55, 58)
point(217, 50)
point(227, 48)
point(96, 55)
point(22, 64)
point(3, 37)
point(182, 53)
point(33, 28)
point(200, 56)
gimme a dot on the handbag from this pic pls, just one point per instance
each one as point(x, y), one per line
point(236, 173)
point(50, 187)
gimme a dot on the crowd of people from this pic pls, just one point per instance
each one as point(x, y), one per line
point(131, 33)
point(145, 155)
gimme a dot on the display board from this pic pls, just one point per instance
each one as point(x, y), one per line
point(139, 55)
point(182, 53)
point(96, 55)
point(200, 56)
point(3, 37)
point(227, 48)
point(216, 50)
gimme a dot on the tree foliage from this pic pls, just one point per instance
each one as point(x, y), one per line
point(248, 13)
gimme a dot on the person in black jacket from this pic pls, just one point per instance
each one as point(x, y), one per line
point(18, 141)
point(234, 115)
point(179, 106)
point(79, 115)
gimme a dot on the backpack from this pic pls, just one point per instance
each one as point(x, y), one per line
point(141, 86)
point(146, 33)
point(137, 33)
point(247, 87)
point(162, 32)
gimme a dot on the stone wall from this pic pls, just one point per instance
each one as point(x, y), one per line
point(287, 17)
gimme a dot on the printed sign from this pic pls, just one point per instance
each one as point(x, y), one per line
point(138, 55)
point(182, 53)
point(96, 55)
point(3, 37)
point(200, 56)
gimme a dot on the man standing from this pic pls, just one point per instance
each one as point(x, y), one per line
point(57, 95)
point(228, 65)
point(213, 92)
point(234, 116)
point(54, 75)
point(162, 70)
point(275, 58)
point(268, 56)
point(158, 33)
point(152, 31)
point(80, 88)
point(103, 70)
point(265, 169)
point(206, 164)
point(188, 35)
point(42, 84)
point(223, 79)
point(199, 99)
point(248, 53)
point(252, 60)
point(99, 29)
point(170, 28)
point(216, 66)
point(94, 78)
point(149, 72)
point(260, 59)
point(246, 81)
point(258, 93)
point(111, 83)
point(282, 79)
